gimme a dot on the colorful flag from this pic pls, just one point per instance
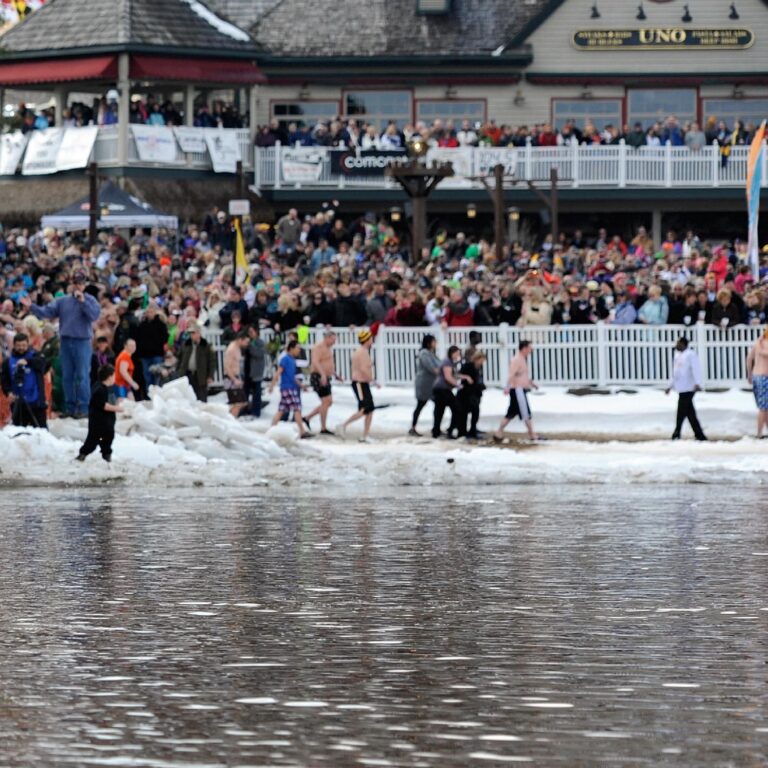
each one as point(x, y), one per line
point(754, 181)
point(242, 271)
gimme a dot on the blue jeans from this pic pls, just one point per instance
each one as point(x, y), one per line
point(149, 377)
point(76, 374)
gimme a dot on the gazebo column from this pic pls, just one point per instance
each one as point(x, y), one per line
point(253, 108)
point(124, 108)
point(59, 103)
point(189, 105)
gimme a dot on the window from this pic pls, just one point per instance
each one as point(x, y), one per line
point(648, 106)
point(601, 112)
point(433, 6)
point(305, 113)
point(379, 107)
point(730, 110)
point(450, 109)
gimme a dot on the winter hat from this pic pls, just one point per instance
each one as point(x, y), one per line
point(364, 335)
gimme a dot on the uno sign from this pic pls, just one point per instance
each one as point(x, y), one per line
point(661, 38)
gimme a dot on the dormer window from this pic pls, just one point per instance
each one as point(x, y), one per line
point(433, 7)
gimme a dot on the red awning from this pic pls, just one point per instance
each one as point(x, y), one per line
point(189, 70)
point(59, 71)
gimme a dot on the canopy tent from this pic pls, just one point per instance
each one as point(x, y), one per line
point(116, 209)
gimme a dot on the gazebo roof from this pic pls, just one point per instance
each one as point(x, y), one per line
point(81, 27)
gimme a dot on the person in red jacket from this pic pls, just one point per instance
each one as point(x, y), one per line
point(719, 265)
point(458, 312)
point(547, 137)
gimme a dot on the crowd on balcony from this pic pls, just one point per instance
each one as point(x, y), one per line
point(359, 134)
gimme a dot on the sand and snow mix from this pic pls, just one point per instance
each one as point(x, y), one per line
point(172, 440)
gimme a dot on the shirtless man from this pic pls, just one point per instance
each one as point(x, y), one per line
point(362, 378)
point(321, 370)
point(518, 384)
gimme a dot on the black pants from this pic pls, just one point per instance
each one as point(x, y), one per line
point(685, 410)
point(201, 392)
point(99, 436)
point(470, 409)
point(253, 391)
point(444, 398)
point(417, 412)
point(26, 415)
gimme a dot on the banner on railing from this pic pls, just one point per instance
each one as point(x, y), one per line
point(223, 148)
point(461, 162)
point(42, 151)
point(11, 149)
point(371, 162)
point(190, 139)
point(487, 158)
point(302, 164)
point(76, 147)
point(154, 143)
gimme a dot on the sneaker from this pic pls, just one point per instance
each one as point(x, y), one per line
point(365, 440)
point(79, 457)
point(306, 424)
point(80, 416)
point(413, 433)
point(327, 432)
point(306, 435)
point(108, 459)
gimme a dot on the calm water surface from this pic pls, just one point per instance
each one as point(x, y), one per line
point(535, 625)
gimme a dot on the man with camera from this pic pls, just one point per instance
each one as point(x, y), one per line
point(22, 382)
point(76, 313)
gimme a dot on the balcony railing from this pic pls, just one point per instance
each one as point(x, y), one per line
point(609, 167)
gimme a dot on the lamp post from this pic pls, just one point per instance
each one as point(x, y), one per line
point(93, 203)
point(418, 181)
point(514, 225)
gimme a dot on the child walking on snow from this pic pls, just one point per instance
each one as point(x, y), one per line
point(101, 417)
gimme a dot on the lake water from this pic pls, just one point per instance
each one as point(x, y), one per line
point(419, 628)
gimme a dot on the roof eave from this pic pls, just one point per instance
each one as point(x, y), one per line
point(99, 50)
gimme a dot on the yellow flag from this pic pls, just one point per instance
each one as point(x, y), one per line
point(242, 273)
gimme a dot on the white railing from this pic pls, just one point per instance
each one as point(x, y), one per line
point(562, 355)
point(105, 151)
point(614, 166)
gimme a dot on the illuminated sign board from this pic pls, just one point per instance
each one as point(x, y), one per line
point(662, 39)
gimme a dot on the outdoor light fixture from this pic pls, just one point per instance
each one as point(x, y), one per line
point(734, 14)
point(514, 214)
point(641, 13)
point(595, 13)
point(471, 211)
point(417, 147)
point(395, 214)
point(687, 18)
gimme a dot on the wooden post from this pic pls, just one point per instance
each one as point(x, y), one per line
point(498, 211)
point(554, 208)
point(93, 202)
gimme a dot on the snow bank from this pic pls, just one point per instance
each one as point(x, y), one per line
point(620, 438)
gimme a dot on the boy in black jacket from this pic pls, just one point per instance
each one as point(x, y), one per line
point(101, 417)
point(471, 393)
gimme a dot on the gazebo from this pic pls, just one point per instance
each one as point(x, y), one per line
point(75, 46)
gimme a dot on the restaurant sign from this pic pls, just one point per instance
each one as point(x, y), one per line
point(662, 39)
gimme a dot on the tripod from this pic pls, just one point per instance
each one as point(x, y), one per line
point(20, 406)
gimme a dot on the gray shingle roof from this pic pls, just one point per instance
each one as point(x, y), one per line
point(65, 24)
point(392, 27)
point(244, 13)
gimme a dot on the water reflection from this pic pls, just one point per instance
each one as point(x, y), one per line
point(555, 627)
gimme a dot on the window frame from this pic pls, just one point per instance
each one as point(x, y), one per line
point(705, 113)
point(364, 117)
point(297, 118)
point(480, 100)
point(631, 119)
point(617, 99)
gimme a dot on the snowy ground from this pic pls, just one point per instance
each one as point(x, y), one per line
point(618, 438)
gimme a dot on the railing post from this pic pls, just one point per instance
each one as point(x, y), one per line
point(528, 159)
point(256, 169)
point(575, 162)
point(715, 164)
point(278, 165)
point(622, 163)
point(381, 362)
point(668, 164)
point(505, 358)
point(701, 351)
point(602, 354)
point(441, 336)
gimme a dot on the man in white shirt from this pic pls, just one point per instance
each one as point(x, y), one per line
point(686, 381)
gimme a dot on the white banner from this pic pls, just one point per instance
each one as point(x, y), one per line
point(460, 159)
point(300, 165)
point(42, 149)
point(75, 148)
point(487, 158)
point(190, 139)
point(223, 148)
point(11, 149)
point(154, 143)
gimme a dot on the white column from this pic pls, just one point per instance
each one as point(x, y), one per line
point(656, 232)
point(124, 108)
point(59, 103)
point(253, 110)
point(189, 105)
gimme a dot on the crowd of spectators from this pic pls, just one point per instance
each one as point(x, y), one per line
point(322, 270)
point(356, 134)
